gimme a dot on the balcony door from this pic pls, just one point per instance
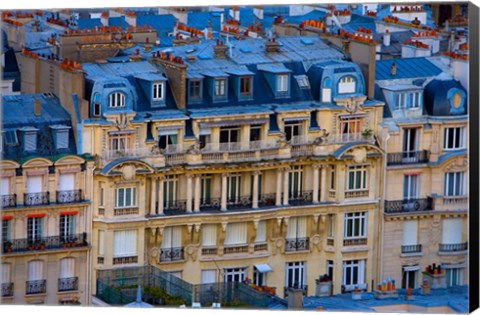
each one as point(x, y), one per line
point(170, 191)
point(233, 189)
point(295, 274)
point(34, 184)
point(293, 129)
point(409, 277)
point(228, 137)
point(411, 187)
point(295, 182)
point(410, 144)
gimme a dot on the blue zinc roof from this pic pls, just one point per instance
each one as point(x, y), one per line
point(407, 68)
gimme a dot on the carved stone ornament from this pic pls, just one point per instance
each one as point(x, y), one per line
point(359, 155)
point(194, 148)
point(322, 138)
point(128, 171)
point(121, 121)
point(154, 252)
point(192, 251)
point(316, 241)
point(282, 140)
point(457, 165)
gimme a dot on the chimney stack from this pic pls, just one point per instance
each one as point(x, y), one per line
point(393, 69)
point(104, 18)
point(386, 38)
point(37, 108)
point(131, 18)
point(272, 46)
point(220, 50)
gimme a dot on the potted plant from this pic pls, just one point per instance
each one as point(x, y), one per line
point(367, 133)
point(7, 246)
point(356, 294)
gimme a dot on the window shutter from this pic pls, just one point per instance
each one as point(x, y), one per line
point(167, 237)
point(297, 227)
point(361, 271)
point(410, 232)
point(30, 141)
point(35, 270)
point(67, 268)
point(209, 235)
point(236, 234)
point(101, 243)
point(209, 276)
point(177, 236)
point(261, 232)
point(66, 182)
point(62, 139)
point(34, 184)
point(125, 243)
point(5, 188)
point(452, 231)
point(6, 273)
point(292, 227)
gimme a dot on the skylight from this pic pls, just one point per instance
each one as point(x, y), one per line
point(302, 81)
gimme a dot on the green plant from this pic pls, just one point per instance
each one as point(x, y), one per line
point(234, 304)
point(366, 133)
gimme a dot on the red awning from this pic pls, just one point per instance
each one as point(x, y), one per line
point(73, 212)
point(36, 215)
point(7, 217)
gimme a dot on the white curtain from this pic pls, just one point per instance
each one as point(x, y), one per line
point(236, 233)
point(297, 227)
point(261, 235)
point(172, 237)
point(5, 188)
point(6, 273)
point(66, 182)
point(326, 95)
point(209, 235)
point(101, 243)
point(34, 184)
point(452, 231)
point(35, 270)
point(410, 228)
point(125, 243)
point(361, 271)
point(209, 276)
point(67, 268)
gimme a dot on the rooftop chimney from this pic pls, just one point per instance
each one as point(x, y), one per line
point(104, 18)
point(37, 108)
point(386, 38)
point(220, 49)
point(272, 46)
point(393, 69)
point(131, 18)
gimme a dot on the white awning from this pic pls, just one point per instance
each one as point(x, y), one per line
point(411, 268)
point(262, 268)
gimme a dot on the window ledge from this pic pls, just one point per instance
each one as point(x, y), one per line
point(350, 249)
point(460, 252)
point(419, 254)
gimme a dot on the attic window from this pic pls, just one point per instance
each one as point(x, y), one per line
point(302, 81)
point(157, 93)
point(10, 137)
point(346, 85)
point(97, 105)
point(61, 136)
point(245, 85)
point(116, 100)
point(30, 138)
point(282, 83)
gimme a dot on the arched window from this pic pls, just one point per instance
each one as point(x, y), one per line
point(116, 100)
point(346, 85)
point(97, 105)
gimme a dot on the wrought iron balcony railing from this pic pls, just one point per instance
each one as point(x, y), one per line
point(303, 197)
point(69, 196)
point(239, 202)
point(125, 260)
point(266, 200)
point(408, 157)
point(171, 254)
point(174, 206)
point(67, 284)
point(411, 249)
point(408, 205)
point(35, 199)
point(210, 204)
point(45, 243)
point(9, 201)
point(36, 287)
point(296, 244)
point(7, 289)
point(449, 248)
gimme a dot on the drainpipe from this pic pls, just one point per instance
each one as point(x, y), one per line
point(382, 204)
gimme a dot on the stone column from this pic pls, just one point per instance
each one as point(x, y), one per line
point(224, 191)
point(323, 194)
point(278, 195)
point(197, 192)
point(315, 183)
point(255, 190)
point(189, 192)
point(160, 195)
point(285, 186)
point(153, 198)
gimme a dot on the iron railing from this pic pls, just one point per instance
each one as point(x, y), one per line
point(296, 244)
point(125, 260)
point(174, 206)
point(67, 284)
point(7, 289)
point(410, 249)
point(266, 200)
point(36, 287)
point(171, 254)
point(302, 197)
point(210, 204)
point(408, 157)
point(408, 205)
point(9, 201)
point(69, 196)
point(458, 247)
point(45, 243)
point(34, 199)
point(239, 202)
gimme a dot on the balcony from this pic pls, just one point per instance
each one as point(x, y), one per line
point(408, 205)
point(455, 200)
point(239, 202)
point(125, 260)
point(411, 249)
point(350, 137)
point(301, 140)
point(239, 151)
point(9, 201)
point(206, 251)
point(356, 193)
point(453, 248)
point(260, 247)
point(296, 244)
point(299, 198)
point(171, 254)
point(235, 249)
point(36, 199)
point(355, 241)
point(68, 284)
point(266, 200)
point(7, 289)
point(36, 287)
point(174, 154)
point(69, 196)
point(173, 207)
point(45, 243)
point(210, 204)
point(125, 211)
point(408, 157)
point(330, 241)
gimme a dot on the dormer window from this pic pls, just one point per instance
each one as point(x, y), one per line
point(116, 100)
point(245, 85)
point(282, 83)
point(401, 101)
point(409, 100)
point(326, 91)
point(97, 105)
point(195, 89)
point(30, 138)
point(157, 91)
point(61, 136)
point(220, 87)
point(10, 137)
point(346, 85)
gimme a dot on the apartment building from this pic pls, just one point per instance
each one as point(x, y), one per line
point(46, 189)
point(425, 130)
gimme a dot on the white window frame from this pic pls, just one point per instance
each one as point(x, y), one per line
point(458, 189)
point(158, 91)
point(67, 225)
point(415, 98)
point(401, 101)
point(282, 83)
point(116, 100)
point(121, 201)
point(259, 278)
point(347, 85)
point(359, 172)
point(459, 275)
point(119, 142)
point(234, 183)
point(170, 190)
point(358, 221)
point(352, 264)
point(6, 226)
point(220, 87)
point(452, 132)
point(296, 274)
point(234, 274)
point(34, 229)
point(295, 181)
point(411, 192)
